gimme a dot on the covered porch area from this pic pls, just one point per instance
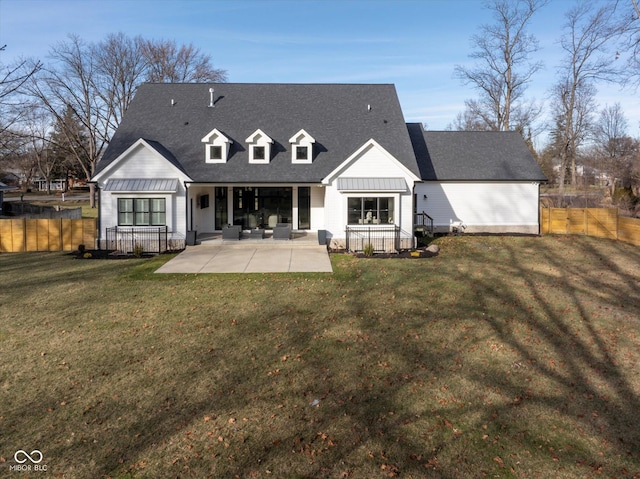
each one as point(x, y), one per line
point(211, 207)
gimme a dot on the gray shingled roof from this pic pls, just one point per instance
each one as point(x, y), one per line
point(175, 117)
point(473, 156)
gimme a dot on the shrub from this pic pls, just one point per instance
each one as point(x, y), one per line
point(138, 250)
point(368, 249)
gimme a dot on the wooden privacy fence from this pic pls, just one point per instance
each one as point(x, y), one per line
point(20, 235)
point(599, 222)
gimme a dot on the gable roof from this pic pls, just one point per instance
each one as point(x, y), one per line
point(340, 117)
point(154, 146)
point(473, 155)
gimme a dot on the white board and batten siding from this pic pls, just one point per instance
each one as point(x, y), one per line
point(142, 162)
point(371, 162)
point(499, 207)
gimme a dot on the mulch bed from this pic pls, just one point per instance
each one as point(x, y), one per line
point(402, 254)
point(104, 254)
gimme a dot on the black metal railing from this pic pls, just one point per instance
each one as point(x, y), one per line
point(423, 224)
point(375, 239)
point(142, 240)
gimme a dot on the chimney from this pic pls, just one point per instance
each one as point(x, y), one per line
point(211, 105)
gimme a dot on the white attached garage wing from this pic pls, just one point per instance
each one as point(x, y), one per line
point(154, 185)
point(382, 185)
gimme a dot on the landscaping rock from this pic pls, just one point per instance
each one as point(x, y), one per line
point(433, 248)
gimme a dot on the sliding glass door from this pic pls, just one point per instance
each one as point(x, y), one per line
point(262, 207)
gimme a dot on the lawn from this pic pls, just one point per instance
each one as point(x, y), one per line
point(501, 357)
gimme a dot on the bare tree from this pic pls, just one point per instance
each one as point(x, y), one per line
point(36, 126)
point(18, 157)
point(470, 119)
point(120, 68)
point(633, 45)
point(167, 63)
point(95, 83)
point(590, 35)
point(69, 84)
point(615, 151)
point(503, 69)
point(12, 79)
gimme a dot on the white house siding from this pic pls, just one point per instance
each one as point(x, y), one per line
point(482, 207)
point(371, 163)
point(317, 207)
point(144, 163)
point(203, 219)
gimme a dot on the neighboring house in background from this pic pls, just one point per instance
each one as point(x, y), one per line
point(58, 184)
point(4, 188)
point(320, 157)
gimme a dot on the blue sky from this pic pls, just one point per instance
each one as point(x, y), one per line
point(414, 44)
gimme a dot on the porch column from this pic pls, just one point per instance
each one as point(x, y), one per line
point(229, 205)
point(294, 207)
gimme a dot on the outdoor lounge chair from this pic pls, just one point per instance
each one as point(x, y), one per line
point(282, 231)
point(231, 232)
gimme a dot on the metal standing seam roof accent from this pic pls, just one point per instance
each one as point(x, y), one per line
point(372, 184)
point(139, 184)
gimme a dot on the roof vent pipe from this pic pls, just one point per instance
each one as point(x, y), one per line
point(211, 105)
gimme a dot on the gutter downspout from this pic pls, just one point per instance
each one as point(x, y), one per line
point(98, 191)
point(189, 214)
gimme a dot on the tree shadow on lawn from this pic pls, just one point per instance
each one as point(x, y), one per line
point(582, 316)
point(477, 364)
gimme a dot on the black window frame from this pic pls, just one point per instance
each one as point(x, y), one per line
point(357, 213)
point(143, 211)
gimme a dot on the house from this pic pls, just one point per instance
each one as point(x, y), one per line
point(321, 157)
point(486, 180)
point(57, 184)
point(4, 188)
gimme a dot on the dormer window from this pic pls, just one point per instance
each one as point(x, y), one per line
point(258, 153)
point(216, 147)
point(302, 153)
point(259, 147)
point(302, 147)
point(215, 152)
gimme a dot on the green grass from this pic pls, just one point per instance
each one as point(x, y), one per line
point(55, 199)
point(501, 357)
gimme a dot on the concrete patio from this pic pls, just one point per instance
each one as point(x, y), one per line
point(212, 254)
